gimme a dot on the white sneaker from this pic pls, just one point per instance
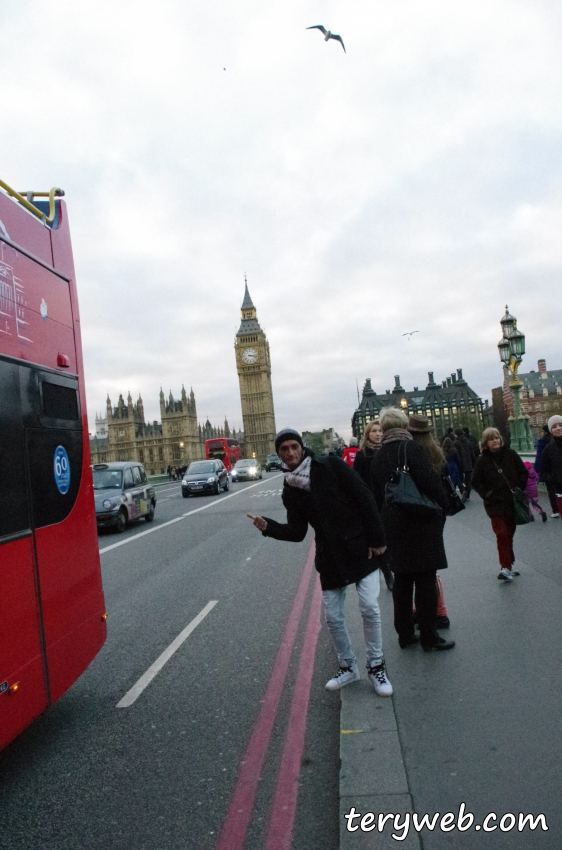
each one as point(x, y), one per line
point(515, 572)
point(378, 677)
point(505, 575)
point(343, 677)
point(554, 516)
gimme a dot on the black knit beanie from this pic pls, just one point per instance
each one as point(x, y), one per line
point(287, 434)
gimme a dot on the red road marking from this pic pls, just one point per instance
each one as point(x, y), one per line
point(285, 800)
point(235, 826)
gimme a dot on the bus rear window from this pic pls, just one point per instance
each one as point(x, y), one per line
point(59, 402)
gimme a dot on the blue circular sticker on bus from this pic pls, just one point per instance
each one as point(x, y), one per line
point(61, 466)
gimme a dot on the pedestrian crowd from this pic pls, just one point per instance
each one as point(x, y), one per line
point(382, 508)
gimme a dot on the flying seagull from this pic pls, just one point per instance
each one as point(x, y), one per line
point(409, 334)
point(327, 34)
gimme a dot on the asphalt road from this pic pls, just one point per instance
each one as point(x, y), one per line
point(164, 772)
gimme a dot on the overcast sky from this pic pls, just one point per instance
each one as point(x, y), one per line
point(411, 183)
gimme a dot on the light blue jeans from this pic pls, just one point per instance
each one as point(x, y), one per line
point(334, 600)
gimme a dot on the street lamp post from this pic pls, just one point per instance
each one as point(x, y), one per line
point(511, 348)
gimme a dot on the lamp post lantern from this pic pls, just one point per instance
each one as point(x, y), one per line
point(511, 349)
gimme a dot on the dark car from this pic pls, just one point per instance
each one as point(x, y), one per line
point(205, 476)
point(247, 469)
point(122, 494)
point(272, 462)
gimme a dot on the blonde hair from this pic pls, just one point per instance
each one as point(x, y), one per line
point(487, 435)
point(367, 430)
point(392, 417)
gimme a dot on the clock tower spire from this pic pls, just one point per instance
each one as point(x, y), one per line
point(253, 365)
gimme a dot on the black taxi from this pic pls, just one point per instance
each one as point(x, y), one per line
point(122, 494)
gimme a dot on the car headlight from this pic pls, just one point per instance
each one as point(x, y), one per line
point(184, 481)
point(107, 504)
point(212, 479)
point(253, 470)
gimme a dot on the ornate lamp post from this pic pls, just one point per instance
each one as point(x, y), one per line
point(511, 348)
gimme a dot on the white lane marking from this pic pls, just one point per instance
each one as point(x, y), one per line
point(147, 678)
point(179, 518)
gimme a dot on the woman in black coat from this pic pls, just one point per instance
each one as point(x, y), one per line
point(415, 544)
point(498, 470)
point(551, 464)
point(369, 446)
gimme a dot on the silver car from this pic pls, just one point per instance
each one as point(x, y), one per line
point(122, 494)
point(246, 470)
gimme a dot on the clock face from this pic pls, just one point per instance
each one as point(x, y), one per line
point(249, 355)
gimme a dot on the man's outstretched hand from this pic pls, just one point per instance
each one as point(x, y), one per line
point(258, 521)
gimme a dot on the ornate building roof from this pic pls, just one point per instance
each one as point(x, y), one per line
point(452, 396)
point(544, 379)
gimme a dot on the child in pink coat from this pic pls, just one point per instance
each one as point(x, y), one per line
point(532, 492)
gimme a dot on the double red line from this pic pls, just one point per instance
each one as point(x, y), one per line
point(237, 821)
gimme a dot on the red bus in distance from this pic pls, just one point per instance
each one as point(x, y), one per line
point(52, 610)
point(223, 448)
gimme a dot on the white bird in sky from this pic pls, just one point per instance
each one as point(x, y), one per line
point(409, 334)
point(327, 34)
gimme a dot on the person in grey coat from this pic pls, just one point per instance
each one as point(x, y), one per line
point(415, 544)
point(326, 494)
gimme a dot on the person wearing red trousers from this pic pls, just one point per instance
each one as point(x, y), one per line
point(497, 471)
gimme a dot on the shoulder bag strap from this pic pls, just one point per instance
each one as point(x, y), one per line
point(500, 470)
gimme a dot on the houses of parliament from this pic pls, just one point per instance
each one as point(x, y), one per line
point(178, 439)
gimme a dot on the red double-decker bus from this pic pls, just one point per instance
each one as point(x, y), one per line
point(223, 448)
point(52, 611)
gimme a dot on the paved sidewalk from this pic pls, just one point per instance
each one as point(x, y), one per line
point(479, 724)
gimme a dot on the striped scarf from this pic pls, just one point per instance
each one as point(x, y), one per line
point(299, 477)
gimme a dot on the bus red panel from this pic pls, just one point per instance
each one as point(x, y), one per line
point(19, 709)
point(35, 311)
point(71, 593)
point(72, 654)
point(21, 227)
point(21, 658)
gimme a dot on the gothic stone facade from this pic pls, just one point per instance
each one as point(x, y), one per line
point(176, 441)
point(448, 404)
point(253, 365)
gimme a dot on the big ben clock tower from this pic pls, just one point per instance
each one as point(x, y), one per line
point(254, 373)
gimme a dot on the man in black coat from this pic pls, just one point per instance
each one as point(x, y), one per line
point(467, 457)
point(324, 493)
point(551, 464)
point(474, 445)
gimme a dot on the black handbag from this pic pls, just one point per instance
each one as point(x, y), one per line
point(521, 512)
point(402, 492)
point(456, 504)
